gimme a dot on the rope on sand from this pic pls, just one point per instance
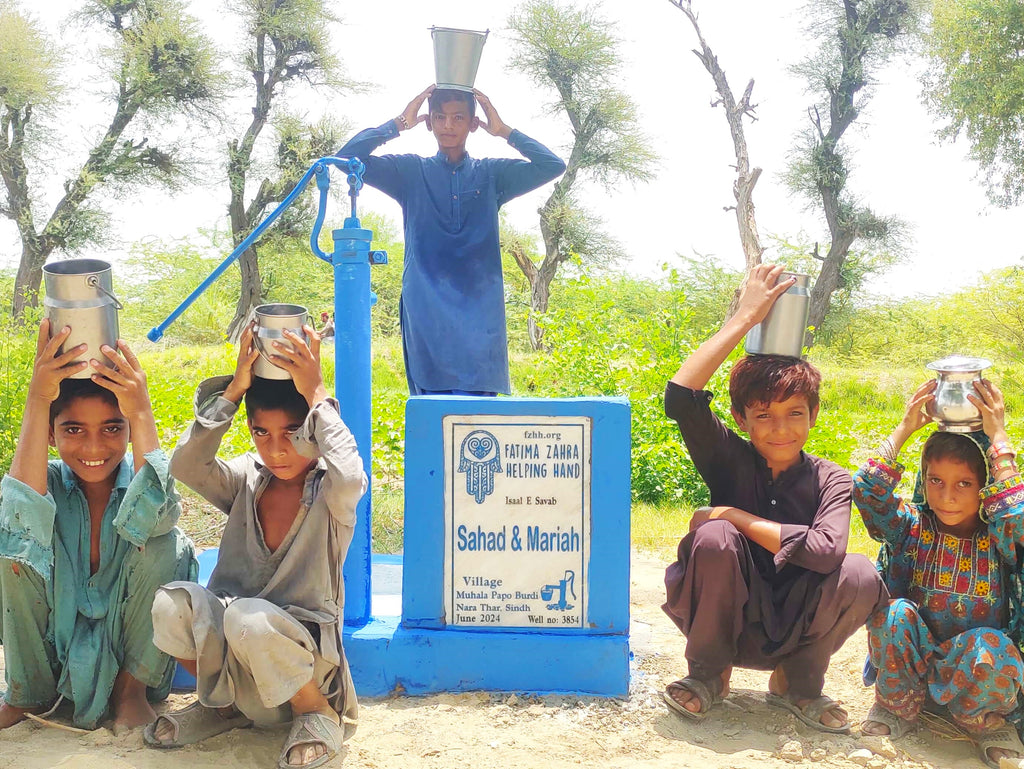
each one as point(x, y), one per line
point(41, 719)
point(44, 722)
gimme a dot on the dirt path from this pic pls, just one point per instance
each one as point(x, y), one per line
point(484, 730)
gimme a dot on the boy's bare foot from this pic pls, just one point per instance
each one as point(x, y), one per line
point(691, 701)
point(10, 715)
point(835, 717)
point(129, 703)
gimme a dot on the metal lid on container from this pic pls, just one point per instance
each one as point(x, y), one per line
point(958, 363)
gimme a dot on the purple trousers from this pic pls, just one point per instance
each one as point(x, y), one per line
point(732, 615)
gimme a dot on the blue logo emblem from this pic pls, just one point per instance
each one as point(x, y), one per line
point(479, 459)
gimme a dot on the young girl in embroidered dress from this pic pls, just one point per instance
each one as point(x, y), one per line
point(945, 635)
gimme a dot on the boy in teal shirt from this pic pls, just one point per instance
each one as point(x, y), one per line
point(85, 541)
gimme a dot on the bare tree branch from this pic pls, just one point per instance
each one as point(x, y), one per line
point(735, 111)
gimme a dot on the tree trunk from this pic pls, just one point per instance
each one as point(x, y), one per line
point(540, 295)
point(828, 281)
point(243, 219)
point(746, 177)
point(250, 296)
point(27, 280)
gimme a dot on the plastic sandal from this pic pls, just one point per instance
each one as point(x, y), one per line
point(312, 729)
point(898, 726)
point(810, 713)
point(699, 689)
point(193, 724)
point(1005, 737)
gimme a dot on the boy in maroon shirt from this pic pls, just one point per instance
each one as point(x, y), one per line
point(763, 579)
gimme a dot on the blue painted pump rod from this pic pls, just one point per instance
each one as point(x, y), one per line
point(355, 169)
point(351, 260)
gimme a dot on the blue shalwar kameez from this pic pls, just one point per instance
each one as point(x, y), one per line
point(453, 300)
point(67, 631)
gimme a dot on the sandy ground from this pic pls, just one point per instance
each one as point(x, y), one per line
point(491, 730)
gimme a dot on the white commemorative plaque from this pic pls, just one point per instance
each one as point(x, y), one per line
point(517, 520)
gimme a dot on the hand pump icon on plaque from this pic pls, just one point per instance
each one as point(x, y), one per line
point(564, 587)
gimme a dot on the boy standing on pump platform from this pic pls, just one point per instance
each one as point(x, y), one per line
point(763, 579)
point(264, 639)
point(85, 541)
point(453, 301)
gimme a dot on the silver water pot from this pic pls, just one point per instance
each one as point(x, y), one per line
point(783, 328)
point(79, 294)
point(956, 376)
point(271, 322)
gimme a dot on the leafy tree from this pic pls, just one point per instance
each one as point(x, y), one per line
point(855, 37)
point(976, 83)
point(287, 43)
point(159, 66)
point(571, 51)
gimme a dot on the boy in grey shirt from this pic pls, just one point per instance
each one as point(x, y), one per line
point(264, 639)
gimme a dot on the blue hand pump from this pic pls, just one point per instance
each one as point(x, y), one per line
point(351, 259)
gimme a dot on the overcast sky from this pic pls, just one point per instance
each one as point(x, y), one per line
point(899, 167)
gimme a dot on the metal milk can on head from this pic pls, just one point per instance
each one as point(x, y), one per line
point(783, 328)
point(271, 322)
point(80, 294)
point(956, 376)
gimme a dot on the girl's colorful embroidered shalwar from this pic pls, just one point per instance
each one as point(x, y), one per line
point(944, 636)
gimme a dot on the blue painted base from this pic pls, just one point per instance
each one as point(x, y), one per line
point(386, 657)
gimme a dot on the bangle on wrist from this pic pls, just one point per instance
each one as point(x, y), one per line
point(1003, 462)
point(887, 450)
point(999, 448)
point(403, 124)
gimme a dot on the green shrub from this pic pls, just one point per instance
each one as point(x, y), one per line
point(625, 337)
point(155, 280)
point(17, 357)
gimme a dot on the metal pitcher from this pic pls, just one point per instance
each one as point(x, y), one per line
point(956, 376)
point(457, 56)
point(783, 328)
point(271, 321)
point(80, 294)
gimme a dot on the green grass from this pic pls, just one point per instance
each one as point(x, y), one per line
point(860, 404)
point(657, 529)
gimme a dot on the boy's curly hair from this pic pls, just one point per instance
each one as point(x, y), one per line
point(766, 379)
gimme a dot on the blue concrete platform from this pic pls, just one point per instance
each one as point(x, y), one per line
point(427, 649)
point(386, 657)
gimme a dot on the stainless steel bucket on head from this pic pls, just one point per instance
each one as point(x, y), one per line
point(271, 322)
point(783, 328)
point(457, 56)
point(80, 294)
